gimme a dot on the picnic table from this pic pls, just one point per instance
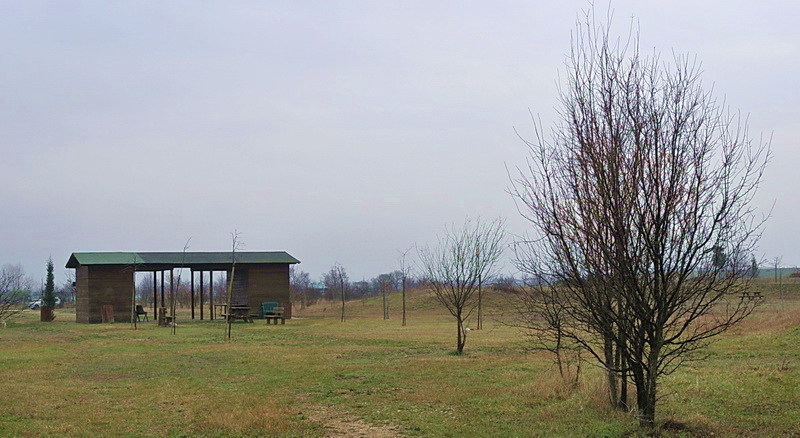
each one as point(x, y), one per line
point(238, 311)
point(751, 296)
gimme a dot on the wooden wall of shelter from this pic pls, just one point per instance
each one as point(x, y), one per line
point(255, 284)
point(99, 285)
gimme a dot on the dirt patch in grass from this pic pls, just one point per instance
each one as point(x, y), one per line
point(336, 424)
point(673, 427)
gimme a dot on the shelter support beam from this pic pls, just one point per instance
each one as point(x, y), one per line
point(191, 274)
point(201, 295)
point(163, 303)
point(155, 295)
point(172, 293)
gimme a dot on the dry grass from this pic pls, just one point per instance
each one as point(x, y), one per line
point(316, 376)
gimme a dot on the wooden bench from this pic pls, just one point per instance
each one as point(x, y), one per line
point(275, 315)
point(164, 320)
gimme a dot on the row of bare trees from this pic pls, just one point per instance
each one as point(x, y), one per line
point(305, 292)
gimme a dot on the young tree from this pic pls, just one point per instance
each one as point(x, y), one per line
point(642, 185)
point(336, 280)
point(454, 267)
point(236, 243)
point(174, 291)
point(405, 272)
point(384, 283)
point(776, 262)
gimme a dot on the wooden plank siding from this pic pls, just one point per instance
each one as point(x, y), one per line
point(269, 283)
point(82, 294)
point(239, 293)
point(106, 284)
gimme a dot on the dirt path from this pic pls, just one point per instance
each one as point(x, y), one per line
point(339, 425)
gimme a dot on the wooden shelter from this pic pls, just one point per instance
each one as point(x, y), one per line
point(105, 279)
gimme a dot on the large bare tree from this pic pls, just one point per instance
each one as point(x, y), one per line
point(454, 268)
point(644, 180)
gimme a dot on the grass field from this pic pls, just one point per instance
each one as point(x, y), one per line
point(316, 376)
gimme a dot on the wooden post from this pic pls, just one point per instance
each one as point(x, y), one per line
point(162, 290)
point(229, 302)
point(133, 297)
point(191, 274)
point(211, 294)
point(201, 295)
point(155, 296)
point(172, 293)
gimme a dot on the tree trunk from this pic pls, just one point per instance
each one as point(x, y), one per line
point(343, 298)
point(611, 375)
point(645, 395)
point(461, 336)
point(558, 355)
point(480, 305)
point(623, 390)
point(45, 314)
point(647, 411)
point(638, 379)
point(404, 301)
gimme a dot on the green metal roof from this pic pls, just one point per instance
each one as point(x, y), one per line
point(177, 259)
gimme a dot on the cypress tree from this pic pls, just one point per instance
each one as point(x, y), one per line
point(49, 295)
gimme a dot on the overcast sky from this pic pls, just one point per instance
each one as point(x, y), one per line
point(335, 131)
